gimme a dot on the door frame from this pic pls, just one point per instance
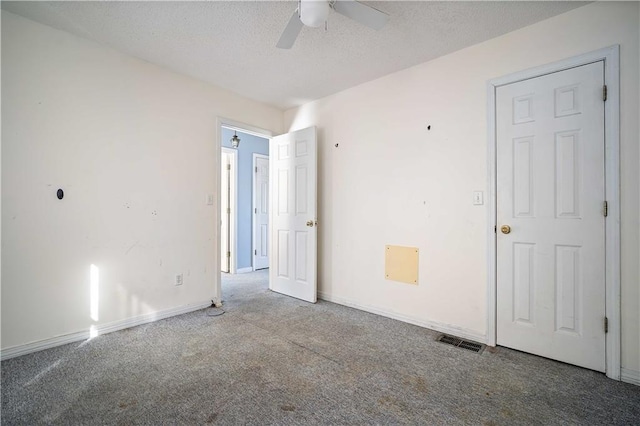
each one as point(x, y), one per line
point(254, 205)
point(233, 205)
point(244, 128)
point(611, 58)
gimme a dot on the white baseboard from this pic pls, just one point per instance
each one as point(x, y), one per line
point(244, 270)
point(52, 342)
point(630, 376)
point(443, 328)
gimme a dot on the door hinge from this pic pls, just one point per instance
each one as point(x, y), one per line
point(606, 324)
point(255, 210)
point(255, 252)
point(228, 166)
point(604, 93)
point(256, 169)
point(605, 209)
point(495, 229)
point(228, 210)
point(228, 254)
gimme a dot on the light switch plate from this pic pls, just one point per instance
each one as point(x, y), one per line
point(478, 198)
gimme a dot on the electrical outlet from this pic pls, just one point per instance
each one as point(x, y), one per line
point(179, 279)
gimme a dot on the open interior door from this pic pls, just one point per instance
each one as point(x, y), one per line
point(292, 181)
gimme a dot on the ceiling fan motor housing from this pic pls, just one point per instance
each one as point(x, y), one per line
point(314, 13)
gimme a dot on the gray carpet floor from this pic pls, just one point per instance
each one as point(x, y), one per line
point(271, 359)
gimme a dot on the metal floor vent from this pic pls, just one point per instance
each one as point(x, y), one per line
point(464, 344)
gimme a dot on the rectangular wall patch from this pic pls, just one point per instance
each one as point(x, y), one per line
point(401, 264)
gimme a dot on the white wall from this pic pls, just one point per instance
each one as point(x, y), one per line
point(133, 147)
point(391, 181)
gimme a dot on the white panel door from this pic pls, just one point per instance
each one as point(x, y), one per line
point(261, 212)
point(551, 192)
point(292, 261)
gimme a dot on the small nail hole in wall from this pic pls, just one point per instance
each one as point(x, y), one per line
point(60, 194)
point(429, 127)
point(336, 145)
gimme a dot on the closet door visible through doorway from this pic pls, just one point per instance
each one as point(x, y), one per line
point(550, 216)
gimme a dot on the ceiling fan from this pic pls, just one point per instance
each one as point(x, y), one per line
point(314, 13)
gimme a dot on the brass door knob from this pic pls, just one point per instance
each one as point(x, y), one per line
point(505, 229)
point(310, 223)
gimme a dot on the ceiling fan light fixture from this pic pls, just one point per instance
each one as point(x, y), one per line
point(235, 140)
point(314, 13)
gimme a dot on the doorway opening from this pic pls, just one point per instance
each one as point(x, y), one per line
point(243, 206)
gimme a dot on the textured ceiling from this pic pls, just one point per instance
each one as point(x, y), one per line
point(232, 43)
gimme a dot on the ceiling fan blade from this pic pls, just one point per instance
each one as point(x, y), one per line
point(291, 31)
point(362, 13)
